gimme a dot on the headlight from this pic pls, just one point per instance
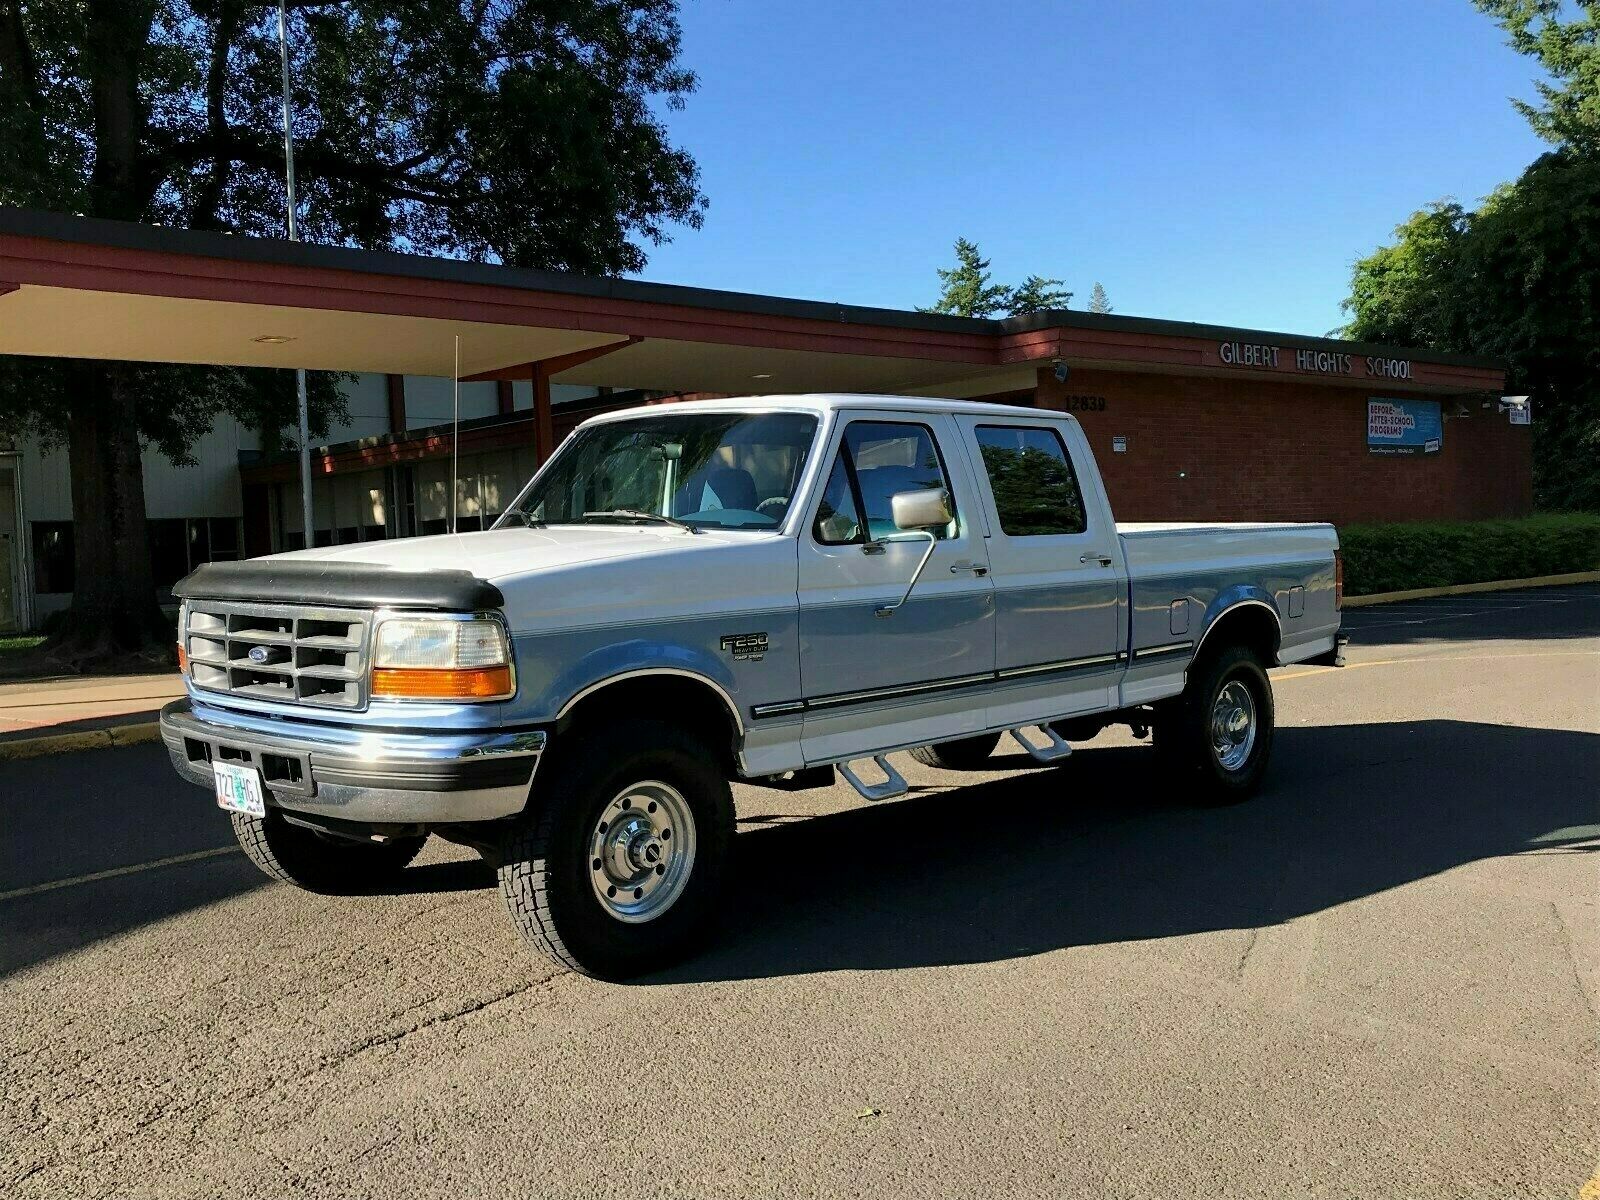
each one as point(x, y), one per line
point(433, 658)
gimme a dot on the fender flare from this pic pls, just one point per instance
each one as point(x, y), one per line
point(1231, 600)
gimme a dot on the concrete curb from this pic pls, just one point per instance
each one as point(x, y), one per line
point(90, 739)
point(1466, 589)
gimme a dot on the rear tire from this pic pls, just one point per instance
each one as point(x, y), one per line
point(320, 862)
point(963, 754)
point(1216, 738)
point(616, 869)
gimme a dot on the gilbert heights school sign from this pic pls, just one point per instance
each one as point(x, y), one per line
point(1394, 427)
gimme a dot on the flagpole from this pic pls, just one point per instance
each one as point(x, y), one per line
point(302, 403)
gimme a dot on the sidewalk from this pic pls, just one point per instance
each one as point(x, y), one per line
point(82, 704)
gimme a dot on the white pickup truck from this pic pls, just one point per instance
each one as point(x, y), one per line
point(688, 595)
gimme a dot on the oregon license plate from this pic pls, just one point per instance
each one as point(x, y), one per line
point(239, 789)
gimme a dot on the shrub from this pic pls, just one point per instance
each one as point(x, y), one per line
point(1422, 554)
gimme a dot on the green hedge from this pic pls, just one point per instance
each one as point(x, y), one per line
point(1422, 554)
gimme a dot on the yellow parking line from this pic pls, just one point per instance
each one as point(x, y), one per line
point(1393, 662)
point(115, 871)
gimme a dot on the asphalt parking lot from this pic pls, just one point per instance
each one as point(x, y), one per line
point(1381, 978)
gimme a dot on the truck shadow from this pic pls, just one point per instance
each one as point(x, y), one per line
point(1102, 851)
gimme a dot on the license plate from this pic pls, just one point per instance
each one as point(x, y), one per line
point(239, 789)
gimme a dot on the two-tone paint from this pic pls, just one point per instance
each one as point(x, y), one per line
point(999, 632)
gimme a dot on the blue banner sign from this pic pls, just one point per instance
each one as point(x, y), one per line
point(1403, 426)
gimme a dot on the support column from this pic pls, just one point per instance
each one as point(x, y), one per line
point(544, 425)
point(539, 374)
point(505, 402)
point(397, 402)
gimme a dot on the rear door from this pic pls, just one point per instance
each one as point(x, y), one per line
point(1057, 568)
point(922, 673)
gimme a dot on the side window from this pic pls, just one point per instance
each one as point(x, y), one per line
point(891, 457)
point(1031, 475)
point(838, 518)
point(877, 459)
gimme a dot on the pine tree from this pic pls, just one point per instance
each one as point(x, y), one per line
point(1038, 294)
point(966, 290)
point(1099, 302)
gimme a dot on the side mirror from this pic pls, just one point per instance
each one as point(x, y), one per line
point(918, 513)
point(925, 509)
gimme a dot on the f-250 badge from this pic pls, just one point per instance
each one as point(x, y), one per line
point(752, 646)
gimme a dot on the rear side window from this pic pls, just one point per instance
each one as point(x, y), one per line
point(1031, 475)
point(877, 460)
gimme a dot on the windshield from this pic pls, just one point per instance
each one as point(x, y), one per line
point(719, 470)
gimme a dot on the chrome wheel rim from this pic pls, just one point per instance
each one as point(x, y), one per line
point(1233, 725)
point(641, 851)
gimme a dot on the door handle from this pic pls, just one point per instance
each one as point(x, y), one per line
point(1104, 559)
point(976, 568)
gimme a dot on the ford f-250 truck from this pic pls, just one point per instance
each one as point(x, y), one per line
point(683, 596)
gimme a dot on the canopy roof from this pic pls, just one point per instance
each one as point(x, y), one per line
point(78, 287)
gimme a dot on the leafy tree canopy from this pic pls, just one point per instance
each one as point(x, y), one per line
point(968, 289)
point(1519, 278)
point(1564, 36)
point(528, 131)
point(520, 130)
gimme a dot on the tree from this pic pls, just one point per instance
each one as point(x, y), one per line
point(1569, 50)
point(967, 289)
point(517, 130)
point(1038, 294)
point(1099, 302)
point(1518, 279)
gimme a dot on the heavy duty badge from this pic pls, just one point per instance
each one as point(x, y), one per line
point(752, 646)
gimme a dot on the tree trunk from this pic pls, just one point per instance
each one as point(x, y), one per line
point(114, 610)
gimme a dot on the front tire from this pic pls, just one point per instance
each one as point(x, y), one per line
point(321, 862)
point(963, 754)
point(1216, 738)
point(616, 872)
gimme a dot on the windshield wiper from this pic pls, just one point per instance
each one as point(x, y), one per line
point(634, 514)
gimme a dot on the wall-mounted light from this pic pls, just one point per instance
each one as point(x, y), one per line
point(272, 339)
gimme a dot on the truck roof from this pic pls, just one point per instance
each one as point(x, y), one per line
point(821, 402)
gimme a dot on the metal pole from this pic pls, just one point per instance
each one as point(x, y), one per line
point(294, 236)
point(455, 437)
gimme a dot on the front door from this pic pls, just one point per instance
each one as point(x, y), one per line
point(1059, 591)
point(917, 674)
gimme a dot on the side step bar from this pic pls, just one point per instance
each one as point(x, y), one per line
point(893, 784)
point(1055, 749)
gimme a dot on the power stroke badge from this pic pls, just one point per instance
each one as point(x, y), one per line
point(752, 646)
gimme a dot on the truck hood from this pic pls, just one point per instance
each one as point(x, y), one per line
point(500, 554)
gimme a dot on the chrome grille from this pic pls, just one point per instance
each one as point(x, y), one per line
point(279, 652)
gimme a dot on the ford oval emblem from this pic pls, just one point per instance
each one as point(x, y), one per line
point(259, 654)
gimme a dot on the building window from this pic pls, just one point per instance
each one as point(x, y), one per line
point(178, 545)
point(52, 557)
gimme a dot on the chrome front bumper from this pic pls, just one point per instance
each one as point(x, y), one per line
point(358, 775)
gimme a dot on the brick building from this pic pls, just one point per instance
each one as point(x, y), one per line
point(1188, 421)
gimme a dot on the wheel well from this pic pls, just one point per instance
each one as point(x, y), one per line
point(685, 701)
point(1252, 625)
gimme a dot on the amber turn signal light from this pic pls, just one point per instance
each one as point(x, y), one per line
point(434, 683)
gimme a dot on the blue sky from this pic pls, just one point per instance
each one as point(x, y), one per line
point(1206, 161)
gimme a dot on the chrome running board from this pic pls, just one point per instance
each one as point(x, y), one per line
point(893, 783)
point(1055, 751)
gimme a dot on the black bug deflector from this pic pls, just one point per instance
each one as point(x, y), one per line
point(341, 584)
